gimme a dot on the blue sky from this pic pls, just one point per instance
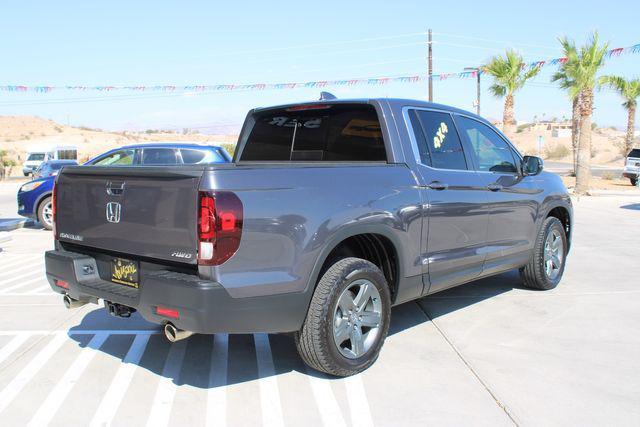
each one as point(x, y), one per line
point(188, 42)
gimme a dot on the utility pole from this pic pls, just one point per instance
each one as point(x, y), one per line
point(430, 60)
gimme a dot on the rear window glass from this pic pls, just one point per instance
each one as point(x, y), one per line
point(634, 153)
point(344, 132)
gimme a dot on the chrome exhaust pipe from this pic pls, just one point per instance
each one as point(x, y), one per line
point(72, 303)
point(174, 334)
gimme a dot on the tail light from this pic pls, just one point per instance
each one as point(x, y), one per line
point(219, 226)
point(54, 211)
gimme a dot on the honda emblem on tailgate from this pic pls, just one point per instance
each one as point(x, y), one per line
point(113, 212)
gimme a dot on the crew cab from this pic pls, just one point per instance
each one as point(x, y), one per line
point(331, 213)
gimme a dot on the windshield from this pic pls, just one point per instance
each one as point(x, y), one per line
point(635, 153)
point(37, 157)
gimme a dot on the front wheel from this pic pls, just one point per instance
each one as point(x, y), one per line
point(348, 319)
point(546, 265)
point(45, 213)
point(634, 181)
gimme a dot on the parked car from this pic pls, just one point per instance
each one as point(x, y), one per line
point(34, 198)
point(331, 213)
point(632, 166)
point(37, 156)
point(51, 168)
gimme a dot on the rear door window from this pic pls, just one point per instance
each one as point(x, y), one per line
point(438, 142)
point(159, 156)
point(324, 132)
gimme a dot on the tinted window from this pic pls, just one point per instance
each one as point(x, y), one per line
point(67, 154)
point(491, 152)
point(345, 132)
point(118, 158)
point(441, 147)
point(635, 153)
point(192, 156)
point(159, 156)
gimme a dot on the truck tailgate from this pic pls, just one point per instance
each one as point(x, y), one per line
point(140, 211)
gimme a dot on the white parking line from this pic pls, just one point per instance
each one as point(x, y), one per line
point(269, 392)
point(217, 394)
point(56, 397)
point(326, 400)
point(12, 346)
point(358, 403)
point(21, 285)
point(17, 384)
point(163, 401)
point(12, 262)
point(120, 384)
point(33, 273)
point(39, 290)
point(17, 266)
point(6, 274)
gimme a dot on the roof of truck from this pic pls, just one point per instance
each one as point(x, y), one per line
point(393, 102)
point(175, 144)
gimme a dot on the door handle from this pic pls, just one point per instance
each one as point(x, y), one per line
point(494, 187)
point(115, 188)
point(437, 185)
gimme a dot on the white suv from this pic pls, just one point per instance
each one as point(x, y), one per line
point(632, 166)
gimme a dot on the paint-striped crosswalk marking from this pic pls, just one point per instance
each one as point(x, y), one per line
point(15, 343)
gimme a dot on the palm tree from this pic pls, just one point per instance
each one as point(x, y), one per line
point(582, 65)
point(569, 84)
point(509, 76)
point(630, 91)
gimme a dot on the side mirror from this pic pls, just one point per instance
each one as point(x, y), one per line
point(531, 165)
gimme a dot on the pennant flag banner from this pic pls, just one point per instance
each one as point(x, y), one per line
point(314, 84)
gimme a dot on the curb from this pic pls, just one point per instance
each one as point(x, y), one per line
point(13, 224)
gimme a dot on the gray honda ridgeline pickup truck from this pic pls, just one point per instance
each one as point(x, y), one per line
point(331, 213)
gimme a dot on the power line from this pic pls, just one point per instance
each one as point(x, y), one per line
point(337, 43)
point(460, 36)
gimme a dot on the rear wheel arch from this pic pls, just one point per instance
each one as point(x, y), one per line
point(373, 244)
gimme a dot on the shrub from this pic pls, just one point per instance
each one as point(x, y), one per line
point(230, 147)
point(607, 176)
point(556, 151)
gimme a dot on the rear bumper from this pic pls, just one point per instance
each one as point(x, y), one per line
point(204, 306)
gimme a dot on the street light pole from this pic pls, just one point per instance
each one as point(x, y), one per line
point(430, 65)
point(477, 71)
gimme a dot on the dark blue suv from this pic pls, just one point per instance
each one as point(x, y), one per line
point(34, 197)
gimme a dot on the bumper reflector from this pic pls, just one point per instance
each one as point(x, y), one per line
point(61, 283)
point(167, 312)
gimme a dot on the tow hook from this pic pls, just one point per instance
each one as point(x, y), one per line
point(174, 334)
point(118, 310)
point(71, 302)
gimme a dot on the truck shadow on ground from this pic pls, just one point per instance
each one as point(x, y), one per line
point(241, 361)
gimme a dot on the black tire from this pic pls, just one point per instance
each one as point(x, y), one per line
point(315, 342)
point(46, 201)
point(533, 274)
point(634, 181)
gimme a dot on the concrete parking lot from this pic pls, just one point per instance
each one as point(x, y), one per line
point(487, 353)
